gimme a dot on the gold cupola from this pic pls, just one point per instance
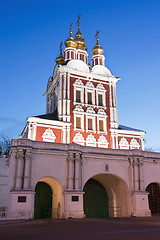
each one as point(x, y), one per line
point(60, 58)
point(70, 42)
point(97, 49)
point(81, 44)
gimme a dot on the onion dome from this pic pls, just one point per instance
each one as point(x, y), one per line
point(70, 42)
point(60, 58)
point(81, 44)
point(97, 49)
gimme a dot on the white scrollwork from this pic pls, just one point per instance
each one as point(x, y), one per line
point(49, 135)
point(123, 143)
point(89, 85)
point(134, 143)
point(90, 110)
point(100, 86)
point(78, 138)
point(101, 112)
point(102, 142)
point(78, 108)
point(78, 82)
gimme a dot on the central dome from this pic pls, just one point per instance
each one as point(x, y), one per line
point(81, 44)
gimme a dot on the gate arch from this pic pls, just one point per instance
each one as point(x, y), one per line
point(154, 197)
point(55, 209)
point(117, 195)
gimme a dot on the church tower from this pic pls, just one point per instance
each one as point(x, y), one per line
point(81, 105)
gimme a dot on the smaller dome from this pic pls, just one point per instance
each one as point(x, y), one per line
point(97, 49)
point(60, 58)
point(70, 42)
point(81, 44)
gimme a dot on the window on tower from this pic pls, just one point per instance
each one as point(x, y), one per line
point(89, 98)
point(78, 96)
point(81, 57)
point(101, 125)
point(100, 100)
point(100, 61)
point(78, 122)
point(72, 55)
point(96, 61)
point(90, 124)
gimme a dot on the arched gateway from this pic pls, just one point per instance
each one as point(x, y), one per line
point(105, 195)
point(48, 199)
point(154, 197)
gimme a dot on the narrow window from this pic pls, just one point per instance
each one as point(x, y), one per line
point(72, 55)
point(90, 124)
point(100, 100)
point(67, 55)
point(100, 61)
point(78, 122)
point(78, 96)
point(81, 57)
point(101, 125)
point(89, 98)
point(96, 61)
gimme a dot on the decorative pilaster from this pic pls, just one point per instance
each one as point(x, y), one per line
point(27, 171)
point(77, 171)
point(19, 175)
point(70, 171)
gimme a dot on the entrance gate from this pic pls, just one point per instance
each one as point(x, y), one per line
point(95, 199)
point(43, 201)
point(154, 198)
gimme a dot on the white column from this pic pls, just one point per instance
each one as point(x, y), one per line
point(136, 174)
point(34, 130)
point(68, 134)
point(60, 96)
point(68, 97)
point(19, 176)
point(77, 163)
point(70, 171)
point(140, 175)
point(64, 97)
point(27, 171)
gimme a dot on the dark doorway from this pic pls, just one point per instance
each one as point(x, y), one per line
point(95, 200)
point(154, 198)
point(43, 201)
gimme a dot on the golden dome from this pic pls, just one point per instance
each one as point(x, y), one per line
point(81, 44)
point(60, 58)
point(97, 49)
point(70, 42)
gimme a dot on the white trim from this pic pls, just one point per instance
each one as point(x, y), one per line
point(46, 121)
point(48, 135)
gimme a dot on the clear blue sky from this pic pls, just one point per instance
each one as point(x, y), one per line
point(30, 34)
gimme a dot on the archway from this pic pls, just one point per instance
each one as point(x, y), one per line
point(154, 197)
point(43, 201)
point(95, 199)
point(48, 199)
point(112, 191)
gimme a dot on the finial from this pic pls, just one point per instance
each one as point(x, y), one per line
point(60, 47)
point(97, 32)
point(70, 29)
point(79, 16)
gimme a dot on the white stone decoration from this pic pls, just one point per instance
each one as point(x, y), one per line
point(90, 140)
point(49, 135)
point(101, 112)
point(78, 65)
point(78, 82)
point(78, 108)
point(134, 144)
point(102, 142)
point(90, 110)
point(78, 138)
point(89, 85)
point(100, 86)
point(124, 143)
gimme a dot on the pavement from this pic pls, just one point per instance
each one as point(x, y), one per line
point(134, 228)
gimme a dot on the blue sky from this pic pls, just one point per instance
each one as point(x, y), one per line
point(30, 35)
